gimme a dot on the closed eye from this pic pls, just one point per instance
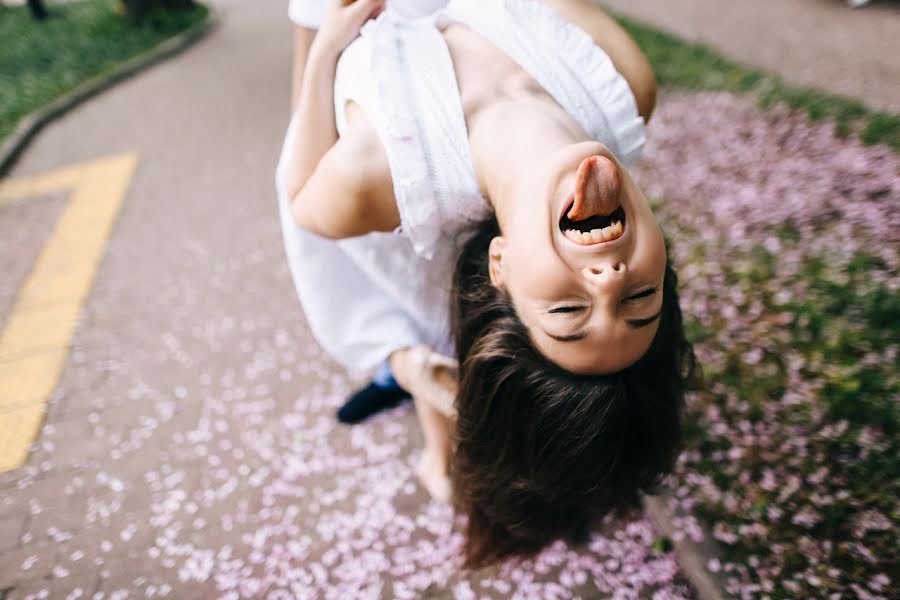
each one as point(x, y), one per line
point(639, 295)
point(566, 309)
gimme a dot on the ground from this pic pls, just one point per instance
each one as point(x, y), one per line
point(189, 447)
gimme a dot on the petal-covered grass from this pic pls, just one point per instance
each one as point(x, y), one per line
point(787, 240)
point(40, 61)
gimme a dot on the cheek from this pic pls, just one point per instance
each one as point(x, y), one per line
point(652, 249)
point(659, 250)
point(537, 274)
point(656, 248)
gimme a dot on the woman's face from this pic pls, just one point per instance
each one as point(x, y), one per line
point(591, 301)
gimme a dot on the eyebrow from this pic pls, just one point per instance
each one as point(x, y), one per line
point(568, 338)
point(633, 323)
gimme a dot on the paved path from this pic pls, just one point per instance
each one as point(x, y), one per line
point(818, 43)
point(190, 448)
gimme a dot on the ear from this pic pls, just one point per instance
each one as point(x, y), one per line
point(495, 260)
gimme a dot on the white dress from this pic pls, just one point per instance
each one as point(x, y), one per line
point(311, 13)
point(367, 296)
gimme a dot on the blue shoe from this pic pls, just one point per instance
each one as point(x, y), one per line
point(368, 401)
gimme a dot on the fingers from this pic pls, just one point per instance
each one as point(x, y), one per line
point(344, 20)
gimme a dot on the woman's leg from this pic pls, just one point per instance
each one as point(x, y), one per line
point(433, 468)
point(432, 381)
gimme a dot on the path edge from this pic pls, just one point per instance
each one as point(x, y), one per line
point(691, 556)
point(29, 125)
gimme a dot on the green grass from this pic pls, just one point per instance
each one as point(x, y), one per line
point(840, 320)
point(694, 66)
point(39, 61)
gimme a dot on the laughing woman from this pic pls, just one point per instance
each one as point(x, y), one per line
point(456, 184)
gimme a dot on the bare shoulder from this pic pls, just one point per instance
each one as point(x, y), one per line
point(626, 55)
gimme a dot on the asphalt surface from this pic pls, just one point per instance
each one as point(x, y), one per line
point(823, 44)
point(189, 449)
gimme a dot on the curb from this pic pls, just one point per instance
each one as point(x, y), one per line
point(691, 556)
point(33, 122)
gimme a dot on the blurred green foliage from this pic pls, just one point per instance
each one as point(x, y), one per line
point(41, 60)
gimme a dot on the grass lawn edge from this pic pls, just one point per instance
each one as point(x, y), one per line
point(697, 66)
point(29, 126)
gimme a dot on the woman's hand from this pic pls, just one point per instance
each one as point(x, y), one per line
point(427, 376)
point(343, 20)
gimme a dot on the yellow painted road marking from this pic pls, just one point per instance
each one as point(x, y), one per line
point(34, 343)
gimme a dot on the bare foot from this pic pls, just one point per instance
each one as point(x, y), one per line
point(433, 475)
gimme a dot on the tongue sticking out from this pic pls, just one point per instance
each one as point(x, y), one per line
point(597, 189)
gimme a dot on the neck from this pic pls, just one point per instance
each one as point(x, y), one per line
point(515, 137)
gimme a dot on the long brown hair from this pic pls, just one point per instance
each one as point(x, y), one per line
point(541, 452)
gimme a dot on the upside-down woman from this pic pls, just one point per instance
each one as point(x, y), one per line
point(456, 184)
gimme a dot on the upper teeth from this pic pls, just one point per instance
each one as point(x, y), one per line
point(610, 232)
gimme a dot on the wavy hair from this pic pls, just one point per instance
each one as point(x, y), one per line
point(540, 453)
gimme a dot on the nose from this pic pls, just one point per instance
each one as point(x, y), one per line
point(608, 276)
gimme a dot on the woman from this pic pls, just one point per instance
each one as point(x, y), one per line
point(485, 145)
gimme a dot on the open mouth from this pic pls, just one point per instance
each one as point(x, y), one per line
point(596, 229)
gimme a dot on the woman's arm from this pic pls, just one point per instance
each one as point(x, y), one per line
point(312, 172)
point(315, 133)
